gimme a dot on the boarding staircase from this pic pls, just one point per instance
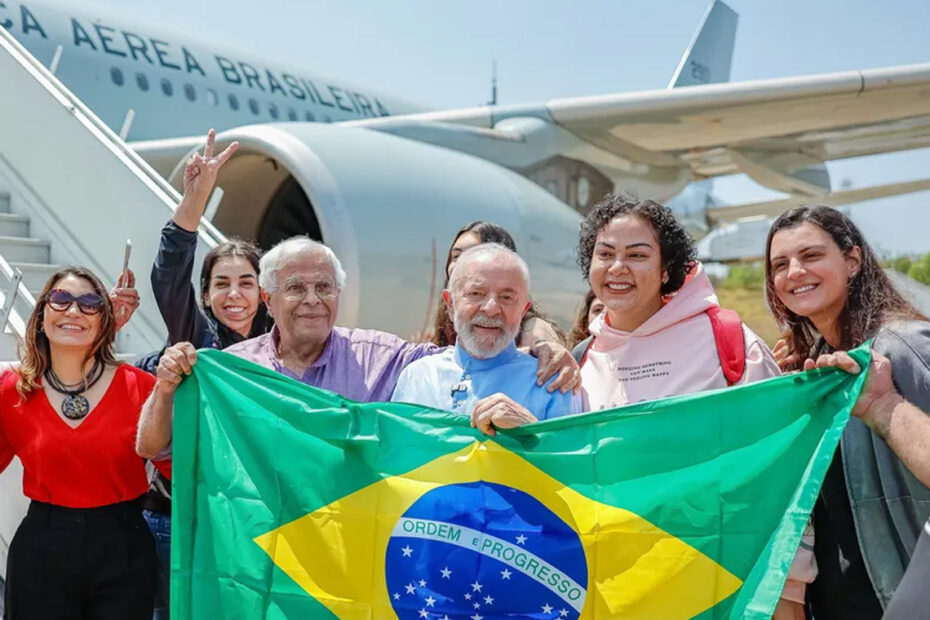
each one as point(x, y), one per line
point(71, 192)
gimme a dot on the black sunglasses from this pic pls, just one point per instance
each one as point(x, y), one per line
point(88, 303)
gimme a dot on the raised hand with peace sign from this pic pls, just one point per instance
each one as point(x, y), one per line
point(199, 179)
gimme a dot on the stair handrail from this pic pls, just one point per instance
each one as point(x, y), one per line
point(207, 231)
point(18, 289)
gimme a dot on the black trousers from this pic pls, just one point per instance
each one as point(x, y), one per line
point(81, 564)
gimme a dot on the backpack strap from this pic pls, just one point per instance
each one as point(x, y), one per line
point(731, 343)
point(580, 351)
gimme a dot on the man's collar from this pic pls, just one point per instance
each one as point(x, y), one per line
point(275, 342)
point(463, 359)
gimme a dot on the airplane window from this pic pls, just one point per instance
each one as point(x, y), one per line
point(292, 114)
point(273, 110)
point(167, 87)
point(212, 99)
point(233, 101)
point(253, 106)
point(309, 116)
point(189, 92)
point(143, 81)
point(116, 75)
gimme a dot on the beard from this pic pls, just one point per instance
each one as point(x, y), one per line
point(483, 347)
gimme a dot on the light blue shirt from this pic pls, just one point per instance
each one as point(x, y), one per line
point(454, 381)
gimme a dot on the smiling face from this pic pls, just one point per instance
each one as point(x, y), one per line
point(487, 304)
point(626, 271)
point(233, 295)
point(71, 328)
point(810, 274)
point(306, 301)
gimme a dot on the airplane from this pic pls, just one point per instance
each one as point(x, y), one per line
point(385, 182)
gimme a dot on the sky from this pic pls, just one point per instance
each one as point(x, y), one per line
point(440, 53)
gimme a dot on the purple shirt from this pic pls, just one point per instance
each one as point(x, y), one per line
point(360, 364)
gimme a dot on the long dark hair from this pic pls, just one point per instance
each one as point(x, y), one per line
point(872, 299)
point(234, 248)
point(35, 352)
point(488, 232)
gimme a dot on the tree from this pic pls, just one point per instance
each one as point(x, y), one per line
point(920, 269)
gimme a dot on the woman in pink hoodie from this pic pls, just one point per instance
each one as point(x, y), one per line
point(660, 334)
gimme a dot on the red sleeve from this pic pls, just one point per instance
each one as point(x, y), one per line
point(7, 393)
point(163, 467)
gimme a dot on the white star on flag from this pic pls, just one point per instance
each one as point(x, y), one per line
point(467, 596)
point(423, 613)
point(488, 600)
point(430, 601)
point(396, 596)
point(547, 608)
point(408, 552)
point(477, 617)
point(476, 605)
point(411, 589)
point(505, 574)
point(563, 612)
point(446, 573)
point(521, 539)
point(422, 583)
point(444, 617)
point(476, 587)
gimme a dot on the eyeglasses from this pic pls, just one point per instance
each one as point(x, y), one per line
point(296, 290)
point(88, 303)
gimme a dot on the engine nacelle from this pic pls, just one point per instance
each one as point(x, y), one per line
point(388, 207)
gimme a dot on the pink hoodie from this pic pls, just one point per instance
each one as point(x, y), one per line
point(674, 352)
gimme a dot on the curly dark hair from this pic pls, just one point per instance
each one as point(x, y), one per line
point(676, 247)
point(872, 300)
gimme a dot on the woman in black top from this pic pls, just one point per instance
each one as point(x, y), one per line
point(829, 293)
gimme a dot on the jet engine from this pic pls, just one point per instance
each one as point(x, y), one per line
point(389, 207)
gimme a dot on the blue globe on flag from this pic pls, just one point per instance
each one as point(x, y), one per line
point(479, 551)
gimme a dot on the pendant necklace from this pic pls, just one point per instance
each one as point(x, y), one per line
point(75, 405)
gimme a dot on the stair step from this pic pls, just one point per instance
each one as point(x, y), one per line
point(4, 202)
point(9, 348)
point(35, 275)
point(14, 225)
point(24, 249)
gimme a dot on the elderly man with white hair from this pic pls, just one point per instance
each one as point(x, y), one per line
point(484, 375)
point(301, 280)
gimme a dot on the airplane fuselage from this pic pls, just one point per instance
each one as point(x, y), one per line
point(174, 85)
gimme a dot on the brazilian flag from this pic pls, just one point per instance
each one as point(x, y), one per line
point(293, 502)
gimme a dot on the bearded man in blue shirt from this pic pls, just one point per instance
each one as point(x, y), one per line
point(484, 375)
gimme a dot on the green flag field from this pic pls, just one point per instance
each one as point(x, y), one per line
point(293, 502)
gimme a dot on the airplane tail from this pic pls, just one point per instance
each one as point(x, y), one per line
point(710, 52)
point(706, 61)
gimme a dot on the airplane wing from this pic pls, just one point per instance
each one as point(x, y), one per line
point(778, 131)
point(772, 208)
point(774, 125)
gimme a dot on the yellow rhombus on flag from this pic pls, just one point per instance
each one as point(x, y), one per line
point(337, 553)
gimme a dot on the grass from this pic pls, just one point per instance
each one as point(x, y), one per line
point(750, 304)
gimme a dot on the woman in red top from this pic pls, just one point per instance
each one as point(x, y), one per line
point(69, 412)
